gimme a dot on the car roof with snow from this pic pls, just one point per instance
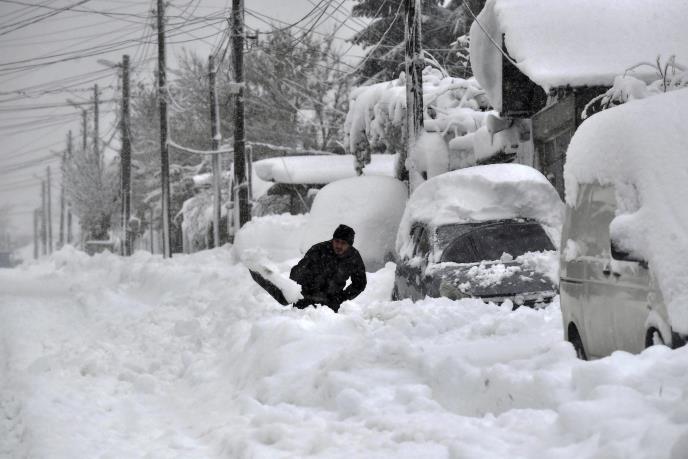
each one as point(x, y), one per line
point(481, 193)
point(641, 148)
point(320, 169)
point(577, 42)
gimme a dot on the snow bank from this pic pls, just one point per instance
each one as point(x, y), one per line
point(640, 147)
point(107, 356)
point(372, 206)
point(495, 191)
point(276, 235)
point(318, 170)
point(575, 42)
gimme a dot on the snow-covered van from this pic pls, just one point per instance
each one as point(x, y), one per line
point(624, 245)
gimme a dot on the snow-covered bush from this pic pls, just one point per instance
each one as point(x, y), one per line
point(670, 77)
point(453, 107)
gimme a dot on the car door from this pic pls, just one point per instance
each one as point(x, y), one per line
point(602, 299)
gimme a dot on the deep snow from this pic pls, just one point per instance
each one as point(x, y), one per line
point(143, 357)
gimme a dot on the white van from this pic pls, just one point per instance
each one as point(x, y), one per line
point(623, 248)
point(609, 300)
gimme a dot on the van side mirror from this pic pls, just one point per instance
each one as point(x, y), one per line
point(622, 255)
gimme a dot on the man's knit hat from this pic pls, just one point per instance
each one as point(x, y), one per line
point(344, 233)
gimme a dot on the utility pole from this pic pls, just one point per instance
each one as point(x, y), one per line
point(96, 127)
point(215, 145)
point(35, 234)
point(414, 91)
point(84, 128)
point(125, 157)
point(151, 233)
point(164, 154)
point(60, 238)
point(49, 215)
point(44, 231)
point(69, 209)
point(240, 182)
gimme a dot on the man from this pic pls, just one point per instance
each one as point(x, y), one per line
point(324, 270)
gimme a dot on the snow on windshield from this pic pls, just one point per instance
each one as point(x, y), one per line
point(480, 193)
point(372, 206)
point(575, 42)
point(640, 147)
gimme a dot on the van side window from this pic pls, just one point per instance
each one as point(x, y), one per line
point(600, 214)
point(587, 224)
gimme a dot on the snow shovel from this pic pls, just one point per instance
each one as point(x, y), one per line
point(269, 287)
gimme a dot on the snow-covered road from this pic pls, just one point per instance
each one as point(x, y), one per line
point(105, 357)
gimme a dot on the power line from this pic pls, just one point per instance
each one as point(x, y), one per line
point(28, 22)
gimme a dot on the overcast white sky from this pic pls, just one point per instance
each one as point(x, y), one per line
point(29, 134)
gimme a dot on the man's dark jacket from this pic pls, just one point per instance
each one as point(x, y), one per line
point(323, 274)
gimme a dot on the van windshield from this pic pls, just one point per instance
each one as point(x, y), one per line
point(490, 242)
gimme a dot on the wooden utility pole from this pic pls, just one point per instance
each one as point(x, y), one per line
point(60, 238)
point(216, 137)
point(164, 154)
point(240, 182)
point(44, 230)
point(125, 158)
point(151, 232)
point(70, 148)
point(414, 63)
point(84, 128)
point(49, 213)
point(96, 126)
point(36, 214)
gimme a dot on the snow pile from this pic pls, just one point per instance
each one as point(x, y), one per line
point(640, 147)
point(372, 206)
point(453, 107)
point(480, 193)
point(575, 42)
point(319, 170)
point(277, 235)
point(144, 357)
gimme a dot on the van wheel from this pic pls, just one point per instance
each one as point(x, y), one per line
point(653, 337)
point(577, 342)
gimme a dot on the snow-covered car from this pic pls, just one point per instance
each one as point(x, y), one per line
point(624, 256)
point(487, 231)
point(285, 198)
point(297, 179)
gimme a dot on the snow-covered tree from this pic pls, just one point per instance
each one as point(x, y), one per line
point(93, 192)
point(442, 29)
point(671, 75)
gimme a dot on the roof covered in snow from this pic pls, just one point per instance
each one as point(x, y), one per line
point(576, 42)
point(481, 193)
point(644, 144)
point(321, 169)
